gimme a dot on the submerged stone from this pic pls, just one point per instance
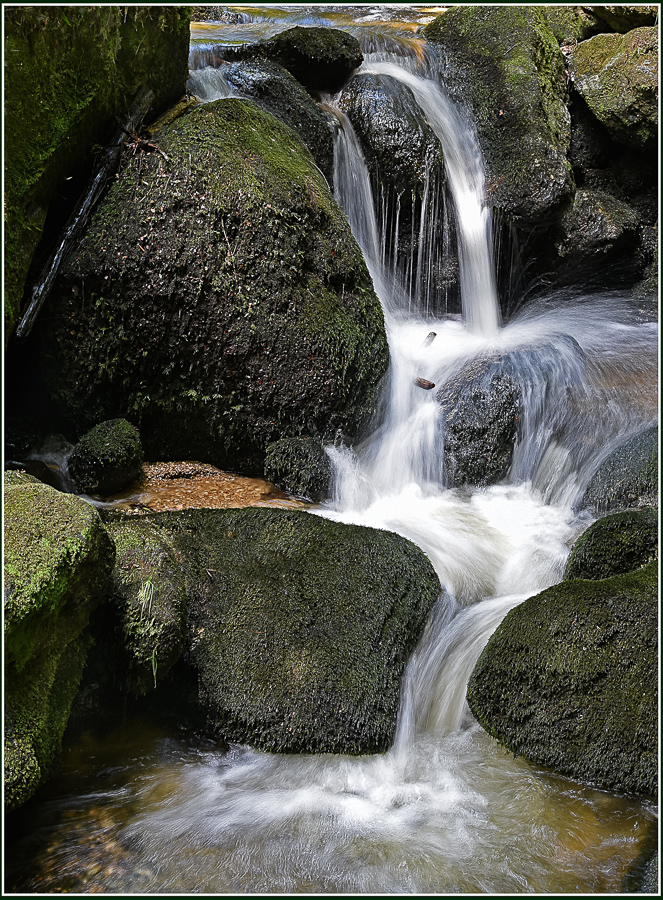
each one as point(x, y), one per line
point(569, 680)
point(57, 562)
point(627, 477)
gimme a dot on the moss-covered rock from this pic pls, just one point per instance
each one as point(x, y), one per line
point(319, 58)
point(299, 627)
point(627, 477)
point(569, 680)
point(226, 302)
point(573, 23)
point(505, 64)
point(107, 458)
point(614, 545)
point(149, 593)
point(617, 76)
point(274, 89)
point(58, 559)
point(69, 71)
point(299, 466)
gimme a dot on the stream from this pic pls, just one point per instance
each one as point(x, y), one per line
point(147, 807)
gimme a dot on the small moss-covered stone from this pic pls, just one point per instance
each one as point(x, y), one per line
point(627, 477)
point(299, 627)
point(617, 76)
point(58, 559)
point(149, 593)
point(299, 466)
point(569, 680)
point(614, 545)
point(107, 458)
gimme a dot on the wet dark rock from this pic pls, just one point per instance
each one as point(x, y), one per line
point(218, 299)
point(22, 436)
point(627, 476)
point(149, 596)
point(481, 408)
point(570, 24)
point(597, 223)
point(617, 76)
point(300, 466)
point(299, 627)
point(321, 59)
point(57, 564)
point(569, 680)
point(615, 544)
point(107, 458)
point(275, 90)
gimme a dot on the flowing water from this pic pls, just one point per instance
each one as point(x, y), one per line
point(447, 809)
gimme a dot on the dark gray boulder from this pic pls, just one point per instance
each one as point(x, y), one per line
point(300, 466)
point(321, 59)
point(107, 458)
point(627, 476)
point(299, 628)
point(615, 544)
point(274, 89)
point(597, 223)
point(481, 408)
point(569, 680)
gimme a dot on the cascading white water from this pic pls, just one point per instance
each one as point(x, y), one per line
point(446, 810)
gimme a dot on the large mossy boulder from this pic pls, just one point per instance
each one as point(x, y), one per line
point(627, 476)
point(504, 63)
point(299, 627)
point(69, 71)
point(275, 89)
point(615, 544)
point(107, 458)
point(218, 298)
point(625, 18)
point(319, 58)
point(617, 76)
point(569, 680)
point(57, 564)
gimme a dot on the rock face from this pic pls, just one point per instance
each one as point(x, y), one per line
point(226, 303)
point(299, 466)
point(597, 224)
point(627, 477)
point(569, 680)
point(274, 89)
point(319, 58)
point(481, 408)
point(617, 76)
point(299, 628)
point(58, 559)
point(625, 18)
point(614, 545)
point(68, 74)
point(107, 458)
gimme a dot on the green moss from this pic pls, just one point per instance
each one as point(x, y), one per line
point(300, 466)
point(57, 563)
point(67, 75)
point(107, 458)
point(569, 681)
point(614, 545)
